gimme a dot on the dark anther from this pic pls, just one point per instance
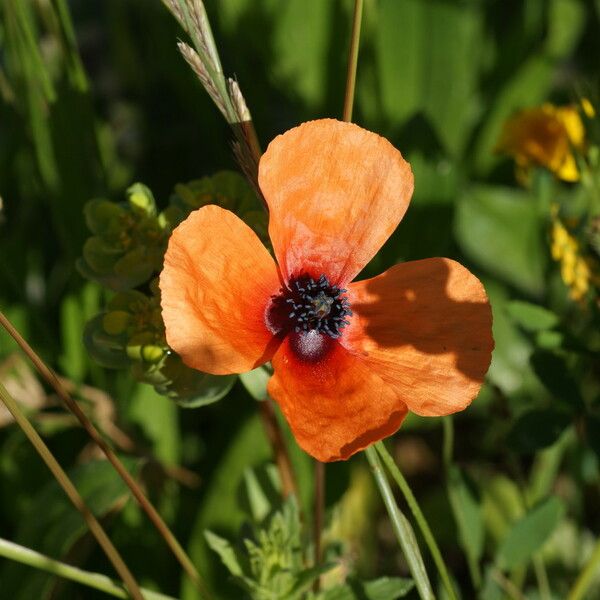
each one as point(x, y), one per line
point(306, 304)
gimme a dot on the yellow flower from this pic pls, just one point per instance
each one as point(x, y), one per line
point(575, 269)
point(545, 136)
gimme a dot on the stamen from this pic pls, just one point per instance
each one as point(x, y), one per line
point(306, 305)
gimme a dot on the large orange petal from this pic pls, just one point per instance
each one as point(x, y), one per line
point(426, 328)
point(335, 193)
point(215, 285)
point(335, 405)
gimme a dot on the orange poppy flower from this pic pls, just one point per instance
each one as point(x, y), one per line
point(349, 359)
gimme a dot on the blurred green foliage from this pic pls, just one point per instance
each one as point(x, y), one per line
point(94, 97)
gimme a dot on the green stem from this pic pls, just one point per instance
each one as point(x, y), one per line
point(63, 480)
point(586, 577)
point(352, 61)
point(97, 581)
point(136, 490)
point(419, 518)
point(402, 528)
point(542, 578)
point(319, 509)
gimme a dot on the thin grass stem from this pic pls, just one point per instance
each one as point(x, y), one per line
point(63, 480)
point(97, 581)
point(419, 518)
point(402, 528)
point(137, 492)
point(352, 61)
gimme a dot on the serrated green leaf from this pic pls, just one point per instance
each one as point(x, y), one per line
point(220, 510)
point(527, 536)
point(225, 550)
point(531, 317)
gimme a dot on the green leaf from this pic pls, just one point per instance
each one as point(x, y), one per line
point(301, 40)
point(527, 536)
point(158, 417)
point(259, 502)
point(106, 350)
point(553, 371)
point(188, 387)
point(500, 229)
point(255, 382)
point(433, 66)
point(52, 525)
point(220, 510)
point(384, 588)
point(537, 429)
point(531, 317)
point(224, 549)
point(468, 516)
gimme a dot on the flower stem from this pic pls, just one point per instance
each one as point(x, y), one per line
point(402, 528)
point(137, 492)
point(352, 61)
point(280, 453)
point(63, 480)
point(419, 518)
point(97, 581)
point(318, 515)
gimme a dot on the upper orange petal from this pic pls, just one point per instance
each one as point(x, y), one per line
point(335, 193)
point(215, 285)
point(336, 405)
point(426, 328)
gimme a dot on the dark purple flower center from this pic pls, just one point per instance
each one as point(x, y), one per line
point(307, 305)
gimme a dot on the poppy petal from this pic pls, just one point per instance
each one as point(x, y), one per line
point(335, 405)
point(215, 285)
point(426, 328)
point(335, 193)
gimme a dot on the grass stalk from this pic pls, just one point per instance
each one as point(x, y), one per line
point(419, 518)
point(97, 581)
point(63, 480)
point(352, 61)
point(402, 528)
point(134, 487)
